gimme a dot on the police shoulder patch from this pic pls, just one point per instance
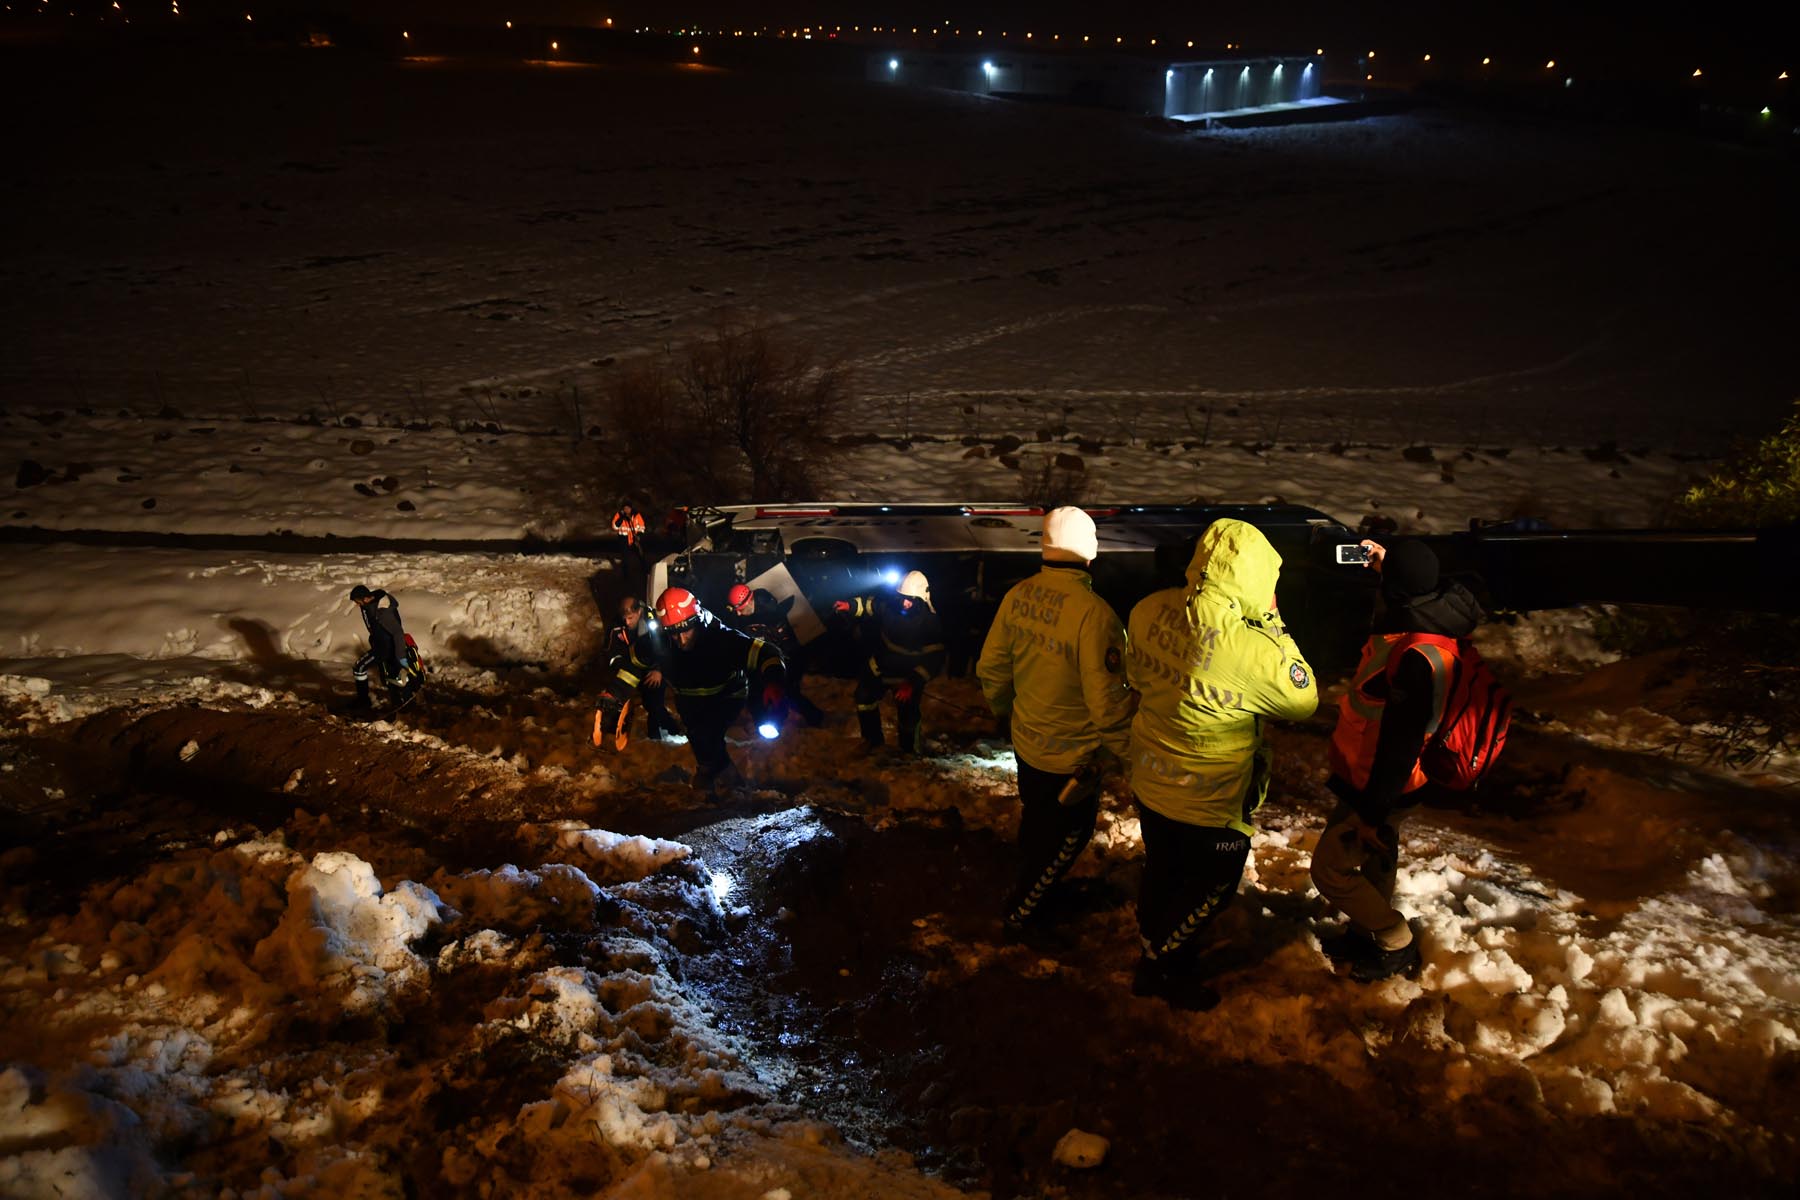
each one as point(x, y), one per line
point(1113, 660)
point(1297, 674)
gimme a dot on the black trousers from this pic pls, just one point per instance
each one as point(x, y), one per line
point(1052, 836)
point(870, 688)
point(707, 718)
point(656, 708)
point(811, 713)
point(1191, 873)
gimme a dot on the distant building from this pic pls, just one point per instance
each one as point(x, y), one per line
point(1186, 90)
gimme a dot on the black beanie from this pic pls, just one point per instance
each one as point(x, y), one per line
point(1408, 569)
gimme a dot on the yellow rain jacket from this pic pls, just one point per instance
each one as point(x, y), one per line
point(1054, 661)
point(1210, 662)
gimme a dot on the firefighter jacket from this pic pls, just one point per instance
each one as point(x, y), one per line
point(1211, 662)
point(768, 621)
point(630, 527)
point(1396, 700)
point(381, 616)
point(720, 664)
point(1054, 662)
point(903, 642)
point(634, 653)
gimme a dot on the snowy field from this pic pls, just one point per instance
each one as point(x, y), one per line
point(250, 948)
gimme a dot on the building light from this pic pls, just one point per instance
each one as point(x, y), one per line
point(1190, 44)
point(893, 64)
point(696, 49)
point(553, 45)
point(1428, 58)
point(1320, 52)
point(1765, 111)
point(1486, 61)
point(1783, 75)
point(509, 24)
point(1551, 65)
point(1696, 73)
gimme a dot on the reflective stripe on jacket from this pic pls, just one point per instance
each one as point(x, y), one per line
point(1358, 729)
point(1054, 661)
point(719, 663)
point(1210, 662)
point(908, 642)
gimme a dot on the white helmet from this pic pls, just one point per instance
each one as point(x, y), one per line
point(917, 586)
point(1069, 535)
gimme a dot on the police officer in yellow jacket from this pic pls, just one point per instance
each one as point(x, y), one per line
point(1211, 661)
point(1054, 665)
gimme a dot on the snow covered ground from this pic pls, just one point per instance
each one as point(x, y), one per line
point(250, 948)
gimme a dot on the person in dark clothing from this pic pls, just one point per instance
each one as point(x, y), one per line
point(390, 651)
point(906, 651)
point(636, 651)
point(712, 669)
point(1393, 705)
point(758, 613)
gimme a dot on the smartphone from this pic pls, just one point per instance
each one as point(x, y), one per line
point(1349, 553)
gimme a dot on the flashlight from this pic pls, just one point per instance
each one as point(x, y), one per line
point(892, 575)
point(769, 730)
point(652, 623)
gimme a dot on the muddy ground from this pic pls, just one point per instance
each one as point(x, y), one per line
point(835, 967)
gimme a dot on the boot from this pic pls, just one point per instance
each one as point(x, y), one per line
point(870, 723)
point(1180, 990)
point(1381, 964)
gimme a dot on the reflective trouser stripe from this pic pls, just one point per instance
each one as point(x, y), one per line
point(1194, 921)
point(1071, 847)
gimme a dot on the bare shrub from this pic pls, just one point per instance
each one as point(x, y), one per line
point(738, 416)
point(1045, 483)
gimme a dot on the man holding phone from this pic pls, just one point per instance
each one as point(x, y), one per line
point(1383, 722)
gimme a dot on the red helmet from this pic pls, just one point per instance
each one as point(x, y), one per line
point(676, 608)
point(739, 594)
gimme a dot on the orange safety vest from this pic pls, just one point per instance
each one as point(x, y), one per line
point(630, 527)
point(1359, 712)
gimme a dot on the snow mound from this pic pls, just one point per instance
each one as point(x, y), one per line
point(342, 935)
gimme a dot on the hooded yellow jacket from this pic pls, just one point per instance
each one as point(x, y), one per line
point(1210, 661)
point(1054, 660)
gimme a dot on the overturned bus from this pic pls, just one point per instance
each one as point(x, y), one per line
point(810, 555)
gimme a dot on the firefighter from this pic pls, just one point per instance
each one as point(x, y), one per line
point(712, 668)
point(1053, 666)
point(1211, 662)
point(758, 613)
point(636, 651)
point(390, 650)
point(906, 651)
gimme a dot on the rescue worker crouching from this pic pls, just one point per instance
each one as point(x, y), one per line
point(712, 669)
point(757, 613)
point(1211, 662)
point(636, 650)
point(390, 650)
point(1054, 665)
point(906, 651)
point(1384, 720)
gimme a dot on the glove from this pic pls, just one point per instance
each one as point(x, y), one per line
point(842, 606)
point(904, 692)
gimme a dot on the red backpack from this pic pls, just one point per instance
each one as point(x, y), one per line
point(1472, 731)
